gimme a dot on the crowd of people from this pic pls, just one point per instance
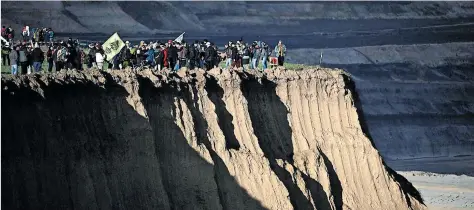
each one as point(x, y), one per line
point(31, 53)
point(27, 33)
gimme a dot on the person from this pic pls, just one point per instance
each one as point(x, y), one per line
point(172, 55)
point(5, 54)
point(25, 33)
point(49, 58)
point(61, 57)
point(160, 54)
point(29, 58)
point(37, 57)
point(99, 59)
point(215, 56)
point(71, 57)
point(280, 51)
point(181, 55)
point(193, 55)
point(13, 56)
point(228, 54)
point(90, 56)
point(150, 56)
point(235, 56)
point(264, 56)
point(41, 35)
point(257, 51)
point(4, 31)
point(245, 57)
point(209, 56)
point(22, 54)
point(51, 35)
point(10, 34)
point(126, 55)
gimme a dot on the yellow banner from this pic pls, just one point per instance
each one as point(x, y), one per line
point(113, 46)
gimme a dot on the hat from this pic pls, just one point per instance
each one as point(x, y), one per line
point(127, 42)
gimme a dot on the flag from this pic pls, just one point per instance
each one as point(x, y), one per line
point(3, 39)
point(113, 46)
point(180, 38)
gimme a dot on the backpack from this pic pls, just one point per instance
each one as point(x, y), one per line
point(246, 52)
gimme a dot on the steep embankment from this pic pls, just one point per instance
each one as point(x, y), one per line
point(417, 99)
point(230, 140)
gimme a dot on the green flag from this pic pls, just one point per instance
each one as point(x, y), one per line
point(113, 46)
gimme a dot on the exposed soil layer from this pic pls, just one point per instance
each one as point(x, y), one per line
point(191, 140)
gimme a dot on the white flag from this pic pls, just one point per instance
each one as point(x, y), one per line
point(6, 42)
point(180, 38)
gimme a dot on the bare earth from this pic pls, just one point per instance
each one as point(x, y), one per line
point(192, 140)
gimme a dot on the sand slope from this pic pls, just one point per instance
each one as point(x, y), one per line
point(121, 140)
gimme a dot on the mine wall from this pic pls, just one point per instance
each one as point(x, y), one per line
point(192, 140)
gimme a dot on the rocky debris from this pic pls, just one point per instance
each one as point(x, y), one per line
point(191, 140)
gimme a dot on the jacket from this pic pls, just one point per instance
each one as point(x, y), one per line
point(13, 57)
point(209, 54)
point(182, 53)
point(22, 55)
point(228, 52)
point(37, 55)
point(150, 55)
point(173, 53)
point(264, 54)
point(193, 53)
point(235, 53)
point(277, 50)
point(257, 52)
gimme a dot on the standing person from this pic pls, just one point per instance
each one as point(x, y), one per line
point(10, 34)
point(216, 59)
point(51, 35)
point(23, 58)
point(71, 57)
point(41, 35)
point(13, 56)
point(37, 57)
point(126, 55)
point(99, 59)
point(26, 33)
point(172, 55)
point(256, 56)
point(5, 54)
point(182, 55)
point(165, 51)
point(49, 58)
point(245, 57)
point(79, 57)
point(228, 54)
point(193, 56)
point(264, 56)
point(150, 56)
point(209, 56)
point(91, 54)
point(160, 57)
point(4, 31)
point(280, 51)
point(60, 57)
point(235, 56)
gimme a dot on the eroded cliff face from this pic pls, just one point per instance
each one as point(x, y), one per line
point(192, 140)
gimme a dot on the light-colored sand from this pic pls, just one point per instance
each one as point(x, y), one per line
point(286, 140)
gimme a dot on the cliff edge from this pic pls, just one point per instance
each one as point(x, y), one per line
point(192, 140)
